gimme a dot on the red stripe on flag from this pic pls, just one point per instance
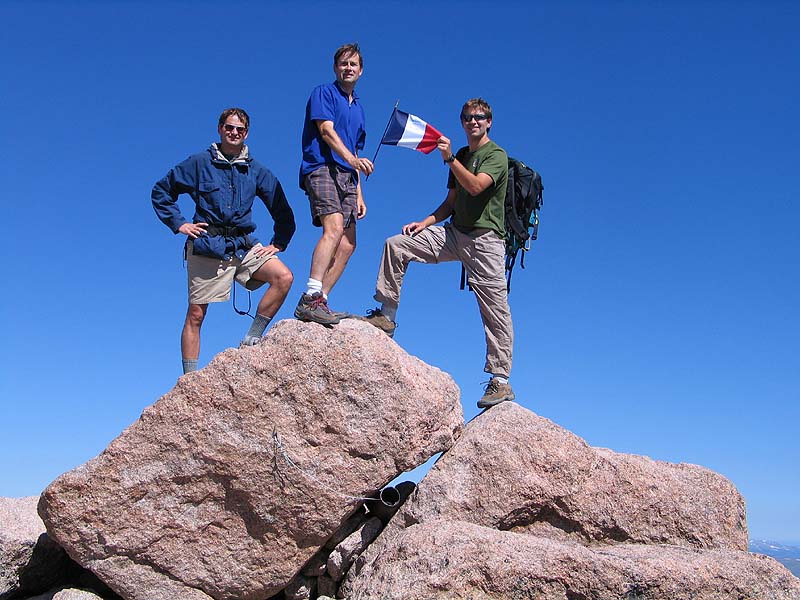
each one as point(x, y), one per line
point(429, 139)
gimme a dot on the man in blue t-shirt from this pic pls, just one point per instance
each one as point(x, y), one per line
point(333, 135)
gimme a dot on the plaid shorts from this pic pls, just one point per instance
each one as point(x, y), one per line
point(331, 190)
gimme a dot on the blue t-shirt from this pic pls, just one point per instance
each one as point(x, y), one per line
point(329, 103)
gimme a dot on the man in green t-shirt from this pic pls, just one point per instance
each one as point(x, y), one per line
point(475, 201)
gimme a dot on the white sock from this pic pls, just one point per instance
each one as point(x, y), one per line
point(313, 286)
point(390, 312)
point(500, 378)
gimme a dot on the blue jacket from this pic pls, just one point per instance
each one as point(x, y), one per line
point(223, 193)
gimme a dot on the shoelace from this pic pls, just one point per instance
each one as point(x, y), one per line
point(320, 301)
point(491, 386)
point(374, 312)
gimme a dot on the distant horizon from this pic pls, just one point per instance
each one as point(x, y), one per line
point(793, 544)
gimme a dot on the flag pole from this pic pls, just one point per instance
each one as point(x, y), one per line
point(380, 143)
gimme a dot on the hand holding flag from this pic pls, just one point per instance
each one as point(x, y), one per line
point(409, 131)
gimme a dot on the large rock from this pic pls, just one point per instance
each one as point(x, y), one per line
point(453, 559)
point(227, 485)
point(513, 470)
point(30, 562)
point(342, 556)
point(543, 515)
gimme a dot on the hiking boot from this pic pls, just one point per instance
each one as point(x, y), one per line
point(314, 309)
point(250, 340)
point(376, 318)
point(495, 393)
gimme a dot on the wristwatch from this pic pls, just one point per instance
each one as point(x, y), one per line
point(450, 158)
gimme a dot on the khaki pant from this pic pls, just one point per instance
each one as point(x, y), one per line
point(482, 253)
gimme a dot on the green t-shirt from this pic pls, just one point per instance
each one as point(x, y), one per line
point(487, 209)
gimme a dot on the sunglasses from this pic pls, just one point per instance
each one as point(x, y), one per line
point(230, 128)
point(478, 117)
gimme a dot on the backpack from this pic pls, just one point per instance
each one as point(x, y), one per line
point(523, 201)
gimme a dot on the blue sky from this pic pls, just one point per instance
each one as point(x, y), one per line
point(656, 314)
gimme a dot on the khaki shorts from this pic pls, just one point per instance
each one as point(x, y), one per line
point(210, 279)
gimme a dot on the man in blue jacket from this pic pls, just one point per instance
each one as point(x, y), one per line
point(333, 135)
point(223, 181)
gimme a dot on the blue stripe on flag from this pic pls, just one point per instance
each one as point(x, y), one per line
point(396, 128)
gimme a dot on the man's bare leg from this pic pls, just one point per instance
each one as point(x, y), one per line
point(190, 336)
point(325, 251)
point(312, 305)
point(280, 279)
point(345, 249)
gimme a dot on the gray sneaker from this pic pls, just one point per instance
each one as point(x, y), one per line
point(495, 393)
point(314, 308)
point(376, 317)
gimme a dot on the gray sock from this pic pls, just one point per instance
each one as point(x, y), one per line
point(390, 312)
point(256, 329)
point(189, 365)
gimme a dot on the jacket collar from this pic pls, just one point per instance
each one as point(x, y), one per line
point(242, 159)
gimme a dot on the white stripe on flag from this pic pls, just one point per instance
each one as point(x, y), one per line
point(413, 134)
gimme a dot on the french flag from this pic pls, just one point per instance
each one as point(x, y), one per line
point(410, 131)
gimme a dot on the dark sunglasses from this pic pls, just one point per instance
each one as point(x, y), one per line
point(229, 128)
point(478, 117)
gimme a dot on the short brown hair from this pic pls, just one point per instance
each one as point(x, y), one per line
point(479, 104)
point(239, 112)
point(347, 50)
